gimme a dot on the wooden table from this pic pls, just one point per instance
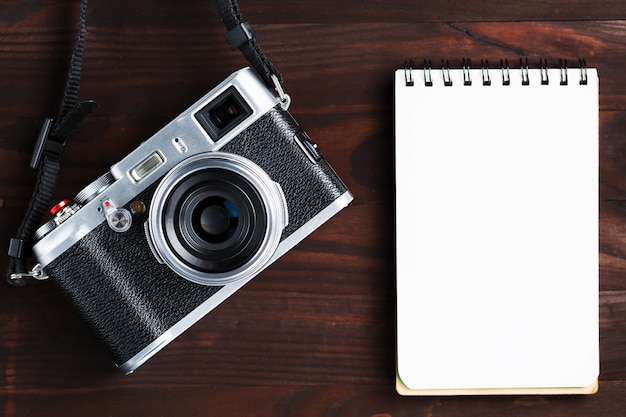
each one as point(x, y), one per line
point(314, 334)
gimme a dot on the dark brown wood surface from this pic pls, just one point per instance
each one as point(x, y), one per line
point(314, 334)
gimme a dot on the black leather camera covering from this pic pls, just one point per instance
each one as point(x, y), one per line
point(128, 298)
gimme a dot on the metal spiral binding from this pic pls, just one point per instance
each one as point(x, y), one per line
point(408, 73)
point(563, 70)
point(467, 78)
point(484, 69)
point(543, 64)
point(583, 71)
point(445, 70)
point(525, 79)
point(506, 76)
point(428, 78)
point(466, 67)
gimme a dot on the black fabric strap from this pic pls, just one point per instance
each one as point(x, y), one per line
point(241, 36)
point(47, 157)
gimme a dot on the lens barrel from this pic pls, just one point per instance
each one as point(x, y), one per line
point(216, 218)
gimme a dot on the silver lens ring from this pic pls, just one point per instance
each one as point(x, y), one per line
point(173, 220)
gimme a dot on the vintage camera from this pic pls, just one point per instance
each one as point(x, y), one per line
point(187, 218)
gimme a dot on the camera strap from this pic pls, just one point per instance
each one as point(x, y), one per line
point(54, 133)
point(46, 160)
point(241, 36)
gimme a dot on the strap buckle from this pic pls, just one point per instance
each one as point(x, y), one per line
point(44, 144)
point(35, 273)
point(284, 99)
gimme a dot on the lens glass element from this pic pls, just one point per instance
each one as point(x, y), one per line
point(216, 219)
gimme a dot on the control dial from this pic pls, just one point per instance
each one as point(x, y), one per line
point(61, 212)
point(94, 189)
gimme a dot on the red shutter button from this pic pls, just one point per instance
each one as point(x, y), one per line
point(54, 210)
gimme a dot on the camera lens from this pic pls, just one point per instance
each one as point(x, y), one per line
point(216, 218)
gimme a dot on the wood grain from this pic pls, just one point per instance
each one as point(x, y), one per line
point(314, 334)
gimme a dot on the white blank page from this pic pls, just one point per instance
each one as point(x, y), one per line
point(497, 232)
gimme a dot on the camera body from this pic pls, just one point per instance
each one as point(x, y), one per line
point(187, 218)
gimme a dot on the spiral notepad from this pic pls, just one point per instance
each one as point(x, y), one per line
point(497, 229)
